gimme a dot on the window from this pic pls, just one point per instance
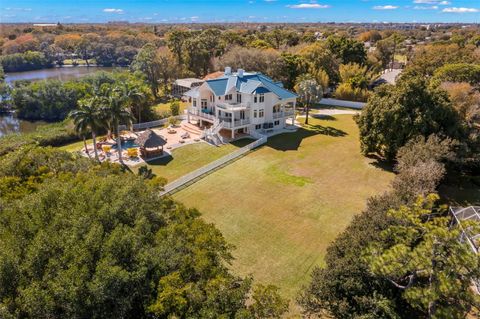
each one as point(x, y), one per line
point(258, 126)
point(211, 98)
point(254, 99)
point(204, 103)
point(262, 98)
point(260, 113)
point(239, 98)
point(195, 102)
point(276, 109)
point(228, 97)
point(254, 113)
point(277, 122)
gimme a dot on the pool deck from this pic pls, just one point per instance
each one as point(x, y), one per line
point(173, 136)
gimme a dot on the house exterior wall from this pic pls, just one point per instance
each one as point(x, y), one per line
point(252, 111)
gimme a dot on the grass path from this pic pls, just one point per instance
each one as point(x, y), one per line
point(284, 203)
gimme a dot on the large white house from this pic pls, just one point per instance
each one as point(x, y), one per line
point(241, 102)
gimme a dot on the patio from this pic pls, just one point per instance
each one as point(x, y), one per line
point(174, 137)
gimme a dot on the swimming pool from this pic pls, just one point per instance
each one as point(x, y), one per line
point(126, 145)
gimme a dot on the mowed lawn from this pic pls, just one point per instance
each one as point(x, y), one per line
point(281, 205)
point(190, 157)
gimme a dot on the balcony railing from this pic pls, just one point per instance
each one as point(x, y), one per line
point(236, 123)
point(233, 106)
point(285, 113)
point(201, 114)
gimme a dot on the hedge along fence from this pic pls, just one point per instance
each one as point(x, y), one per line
point(145, 125)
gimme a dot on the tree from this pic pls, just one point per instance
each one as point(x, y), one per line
point(74, 248)
point(86, 118)
point(422, 256)
point(175, 108)
point(459, 72)
point(320, 57)
point(309, 92)
point(176, 43)
point(347, 50)
point(114, 105)
point(132, 95)
point(396, 114)
point(147, 62)
point(167, 66)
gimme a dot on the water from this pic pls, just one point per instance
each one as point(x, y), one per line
point(9, 123)
point(126, 145)
point(62, 74)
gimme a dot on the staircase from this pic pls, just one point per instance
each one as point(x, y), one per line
point(212, 134)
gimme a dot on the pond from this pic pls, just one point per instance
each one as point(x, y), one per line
point(60, 73)
point(9, 123)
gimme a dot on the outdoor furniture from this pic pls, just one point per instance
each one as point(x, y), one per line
point(185, 135)
point(150, 144)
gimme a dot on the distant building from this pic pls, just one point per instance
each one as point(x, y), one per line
point(388, 77)
point(181, 86)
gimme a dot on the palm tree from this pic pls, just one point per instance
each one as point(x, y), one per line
point(310, 92)
point(117, 111)
point(86, 118)
point(133, 97)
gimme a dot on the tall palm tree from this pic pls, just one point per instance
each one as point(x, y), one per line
point(86, 118)
point(133, 97)
point(117, 111)
point(309, 92)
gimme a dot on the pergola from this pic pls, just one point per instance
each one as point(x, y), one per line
point(150, 143)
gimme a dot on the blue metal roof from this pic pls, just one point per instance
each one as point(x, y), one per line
point(249, 83)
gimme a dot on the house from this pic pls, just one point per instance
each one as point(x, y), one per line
point(181, 86)
point(462, 216)
point(241, 102)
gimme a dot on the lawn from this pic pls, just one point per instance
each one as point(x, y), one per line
point(281, 205)
point(190, 157)
point(162, 108)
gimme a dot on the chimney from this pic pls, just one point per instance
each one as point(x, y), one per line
point(240, 73)
point(228, 70)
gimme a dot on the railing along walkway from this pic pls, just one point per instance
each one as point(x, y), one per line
point(197, 174)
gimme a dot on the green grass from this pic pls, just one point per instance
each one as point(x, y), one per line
point(190, 157)
point(161, 108)
point(281, 205)
point(76, 146)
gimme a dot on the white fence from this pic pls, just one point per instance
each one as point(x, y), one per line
point(144, 125)
point(185, 179)
point(342, 103)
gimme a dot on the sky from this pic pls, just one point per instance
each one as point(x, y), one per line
point(183, 11)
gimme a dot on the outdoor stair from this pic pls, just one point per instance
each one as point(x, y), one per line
point(191, 128)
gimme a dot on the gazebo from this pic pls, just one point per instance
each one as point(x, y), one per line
point(150, 143)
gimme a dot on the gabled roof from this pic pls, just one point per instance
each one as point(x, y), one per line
point(248, 83)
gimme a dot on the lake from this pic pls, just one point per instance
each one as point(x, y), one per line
point(63, 74)
point(9, 123)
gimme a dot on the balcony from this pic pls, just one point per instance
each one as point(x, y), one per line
point(285, 113)
point(227, 123)
point(202, 114)
point(233, 106)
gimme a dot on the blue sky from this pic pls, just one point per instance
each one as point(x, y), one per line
point(177, 11)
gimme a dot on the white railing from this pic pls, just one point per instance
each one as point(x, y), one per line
point(202, 114)
point(281, 114)
point(233, 105)
point(237, 123)
point(144, 125)
point(171, 187)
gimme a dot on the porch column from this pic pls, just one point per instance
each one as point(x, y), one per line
point(233, 133)
point(294, 113)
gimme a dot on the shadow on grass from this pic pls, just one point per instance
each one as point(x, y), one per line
point(381, 163)
point(324, 117)
point(161, 161)
point(292, 141)
point(461, 190)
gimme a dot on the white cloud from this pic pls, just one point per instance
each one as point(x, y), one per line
point(460, 10)
point(437, 2)
point(112, 10)
point(387, 7)
point(425, 7)
point(308, 6)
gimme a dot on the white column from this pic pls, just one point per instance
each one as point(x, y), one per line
point(293, 118)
